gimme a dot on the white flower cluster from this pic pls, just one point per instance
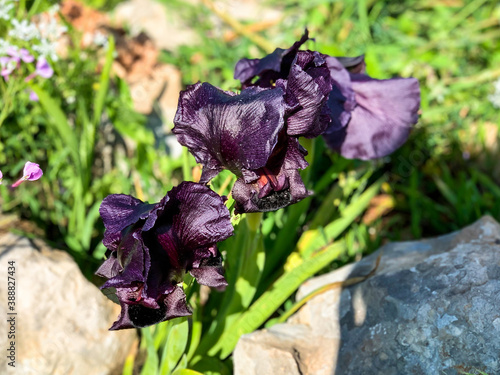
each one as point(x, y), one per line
point(5, 7)
point(44, 34)
point(495, 97)
point(4, 45)
point(50, 32)
point(49, 27)
point(46, 49)
point(23, 30)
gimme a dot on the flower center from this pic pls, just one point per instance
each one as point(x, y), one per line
point(269, 182)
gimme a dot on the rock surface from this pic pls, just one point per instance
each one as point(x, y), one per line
point(62, 320)
point(432, 307)
point(167, 29)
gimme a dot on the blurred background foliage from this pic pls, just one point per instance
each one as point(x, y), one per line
point(445, 177)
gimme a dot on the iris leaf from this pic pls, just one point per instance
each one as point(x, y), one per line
point(270, 301)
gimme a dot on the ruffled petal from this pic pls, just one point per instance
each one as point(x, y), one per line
point(110, 268)
point(210, 272)
point(225, 130)
point(173, 305)
point(118, 211)
point(202, 218)
point(309, 82)
point(131, 259)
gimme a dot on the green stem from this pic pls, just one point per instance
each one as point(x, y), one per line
point(249, 253)
point(186, 166)
point(34, 8)
point(253, 220)
point(7, 97)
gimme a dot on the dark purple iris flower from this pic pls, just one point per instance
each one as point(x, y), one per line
point(361, 117)
point(247, 135)
point(152, 247)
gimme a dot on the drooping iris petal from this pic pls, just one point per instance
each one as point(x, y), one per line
point(270, 68)
point(128, 261)
point(225, 130)
point(153, 246)
point(110, 267)
point(209, 271)
point(118, 211)
point(172, 305)
point(381, 120)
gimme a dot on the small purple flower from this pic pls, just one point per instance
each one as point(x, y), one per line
point(1, 177)
point(8, 66)
point(31, 172)
point(25, 55)
point(33, 96)
point(245, 134)
point(43, 69)
point(20, 54)
point(12, 62)
point(152, 247)
point(360, 117)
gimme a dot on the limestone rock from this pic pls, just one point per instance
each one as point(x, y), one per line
point(165, 27)
point(432, 307)
point(62, 320)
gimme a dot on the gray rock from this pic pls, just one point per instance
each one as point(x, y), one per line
point(432, 307)
point(62, 320)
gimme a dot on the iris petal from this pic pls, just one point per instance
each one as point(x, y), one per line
point(225, 130)
point(310, 83)
point(270, 68)
point(381, 120)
